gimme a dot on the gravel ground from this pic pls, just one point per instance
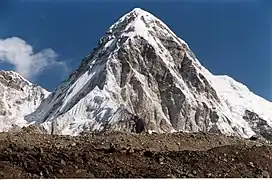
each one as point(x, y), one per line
point(177, 155)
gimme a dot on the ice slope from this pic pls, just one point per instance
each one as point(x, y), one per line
point(235, 99)
point(18, 97)
point(142, 75)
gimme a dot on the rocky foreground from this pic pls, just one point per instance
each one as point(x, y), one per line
point(26, 155)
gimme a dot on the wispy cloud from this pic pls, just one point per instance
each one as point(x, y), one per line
point(29, 64)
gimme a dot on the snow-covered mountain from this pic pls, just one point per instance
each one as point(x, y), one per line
point(18, 97)
point(142, 77)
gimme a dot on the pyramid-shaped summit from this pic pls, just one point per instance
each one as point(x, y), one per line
point(142, 77)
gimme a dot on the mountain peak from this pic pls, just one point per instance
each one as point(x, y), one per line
point(19, 97)
point(140, 11)
point(139, 22)
point(135, 20)
point(142, 77)
point(11, 73)
point(13, 76)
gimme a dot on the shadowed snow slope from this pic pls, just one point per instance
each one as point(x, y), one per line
point(142, 77)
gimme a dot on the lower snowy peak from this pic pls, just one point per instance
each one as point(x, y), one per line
point(18, 97)
point(248, 114)
point(142, 77)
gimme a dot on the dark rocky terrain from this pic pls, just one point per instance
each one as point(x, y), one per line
point(29, 155)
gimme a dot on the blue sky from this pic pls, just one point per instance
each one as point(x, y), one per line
point(230, 37)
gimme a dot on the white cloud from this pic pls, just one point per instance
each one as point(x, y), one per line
point(21, 55)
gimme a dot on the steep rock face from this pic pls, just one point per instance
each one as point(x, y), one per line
point(18, 97)
point(258, 125)
point(142, 77)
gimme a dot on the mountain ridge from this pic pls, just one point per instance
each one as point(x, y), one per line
point(119, 80)
point(19, 97)
point(142, 77)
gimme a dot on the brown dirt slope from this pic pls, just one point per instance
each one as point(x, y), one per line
point(26, 155)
